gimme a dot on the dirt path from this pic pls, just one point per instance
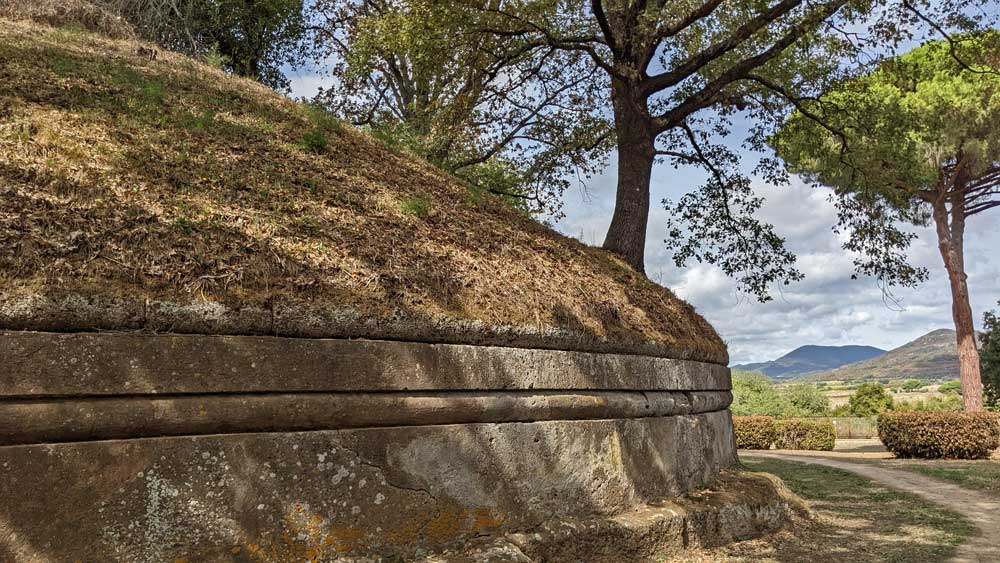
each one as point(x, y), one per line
point(982, 510)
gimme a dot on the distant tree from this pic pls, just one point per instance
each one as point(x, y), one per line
point(754, 394)
point(253, 38)
point(913, 142)
point(912, 384)
point(806, 399)
point(494, 110)
point(989, 358)
point(870, 399)
point(951, 388)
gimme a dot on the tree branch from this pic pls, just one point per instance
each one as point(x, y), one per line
point(692, 65)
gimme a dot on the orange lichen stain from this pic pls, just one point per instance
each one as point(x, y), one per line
point(407, 531)
point(309, 537)
point(484, 519)
point(448, 525)
point(346, 540)
point(235, 550)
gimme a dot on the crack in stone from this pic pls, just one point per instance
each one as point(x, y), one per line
point(381, 472)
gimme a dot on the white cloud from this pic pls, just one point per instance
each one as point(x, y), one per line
point(828, 307)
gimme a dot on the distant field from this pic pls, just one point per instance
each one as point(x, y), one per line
point(840, 392)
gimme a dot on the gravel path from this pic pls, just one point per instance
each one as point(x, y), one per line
point(982, 510)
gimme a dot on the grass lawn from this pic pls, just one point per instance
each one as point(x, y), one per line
point(976, 475)
point(854, 520)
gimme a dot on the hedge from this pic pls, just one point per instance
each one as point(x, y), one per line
point(799, 434)
point(956, 435)
point(755, 432)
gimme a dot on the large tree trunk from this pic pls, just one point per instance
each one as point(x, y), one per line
point(951, 244)
point(636, 153)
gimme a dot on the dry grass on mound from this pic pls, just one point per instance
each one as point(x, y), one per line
point(169, 179)
point(70, 13)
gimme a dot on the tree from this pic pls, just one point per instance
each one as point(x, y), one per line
point(916, 142)
point(989, 358)
point(255, 38)
point(502, 115)
point(676, 71)
point(754, 395)
point(806, 400)
point(950, 388)
point(870, 399)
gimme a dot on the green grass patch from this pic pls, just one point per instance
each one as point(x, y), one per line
point(414, 206)
point(200, 122)
point(314, 141)
point(64, 66)
point(979, 475)
point(860, 520)
point(324, 125)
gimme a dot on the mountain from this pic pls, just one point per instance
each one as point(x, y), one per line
point(932, 356)
point(809, 359)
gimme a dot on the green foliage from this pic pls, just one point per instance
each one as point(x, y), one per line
point(841, 410)
point(215, 59)
point(869, 400)
point(755, 395)
point(888, 140)
point(414, 206)
point(951, 387)
point(201, 121)
point(806, 399)
point(250, 38)
point(502, 115)
point(323, 123)
point(950, 402)
point(755, 432)
point(64, 66)
point(803, 434)
point(958, 435)
point(989, 359)
point(314, 141)
point(912, 385)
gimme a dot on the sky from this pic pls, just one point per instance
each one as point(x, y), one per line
point(827, 307)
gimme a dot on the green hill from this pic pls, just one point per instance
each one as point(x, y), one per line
point(932, 356)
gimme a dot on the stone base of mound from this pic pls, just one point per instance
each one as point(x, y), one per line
point(739, 506)
point(138, 447)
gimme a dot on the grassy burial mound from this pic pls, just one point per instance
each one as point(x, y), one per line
point(166, 195)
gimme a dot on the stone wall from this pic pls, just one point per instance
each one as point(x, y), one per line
point(139, 447)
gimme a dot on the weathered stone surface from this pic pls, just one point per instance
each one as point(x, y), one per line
point(77, 419)
point(304, 319)
point(739, 506)
point(291, 496)
point(163, 447)
point(37, 364)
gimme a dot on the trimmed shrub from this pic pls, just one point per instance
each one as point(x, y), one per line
point(956, 435)
point(799, 434)
point(755, 432)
